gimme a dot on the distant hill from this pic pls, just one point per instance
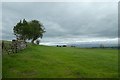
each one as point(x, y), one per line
point(89, 45)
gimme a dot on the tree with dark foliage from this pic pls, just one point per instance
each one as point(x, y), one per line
point(31, 30)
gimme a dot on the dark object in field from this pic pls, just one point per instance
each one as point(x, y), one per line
point(2, 44)
point(59, 46)
point(64, 46)
point(72, 46)
point(37, 42)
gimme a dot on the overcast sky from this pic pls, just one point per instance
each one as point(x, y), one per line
point(65, 22)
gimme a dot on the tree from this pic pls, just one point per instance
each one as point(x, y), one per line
point(21, 30)
point(37, 30)
point(31, 30)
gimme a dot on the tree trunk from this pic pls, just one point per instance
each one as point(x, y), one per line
point(32, 41)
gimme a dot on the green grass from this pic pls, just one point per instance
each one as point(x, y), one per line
point(61, 62)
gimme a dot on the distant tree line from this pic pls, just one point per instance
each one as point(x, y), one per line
point(101, 46)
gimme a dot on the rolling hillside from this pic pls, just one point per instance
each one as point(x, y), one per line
point(61, 62)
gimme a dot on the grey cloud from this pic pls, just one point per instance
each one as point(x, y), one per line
point(65, 19)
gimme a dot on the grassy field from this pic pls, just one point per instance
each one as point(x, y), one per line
point(61, 62)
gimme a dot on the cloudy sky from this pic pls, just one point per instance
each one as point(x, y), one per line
point(65, 22)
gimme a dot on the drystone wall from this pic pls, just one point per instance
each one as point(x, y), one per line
point(15, 46)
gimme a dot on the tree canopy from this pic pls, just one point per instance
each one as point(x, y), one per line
point(31, 30)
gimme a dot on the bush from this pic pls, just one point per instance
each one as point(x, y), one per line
point(37, 42)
